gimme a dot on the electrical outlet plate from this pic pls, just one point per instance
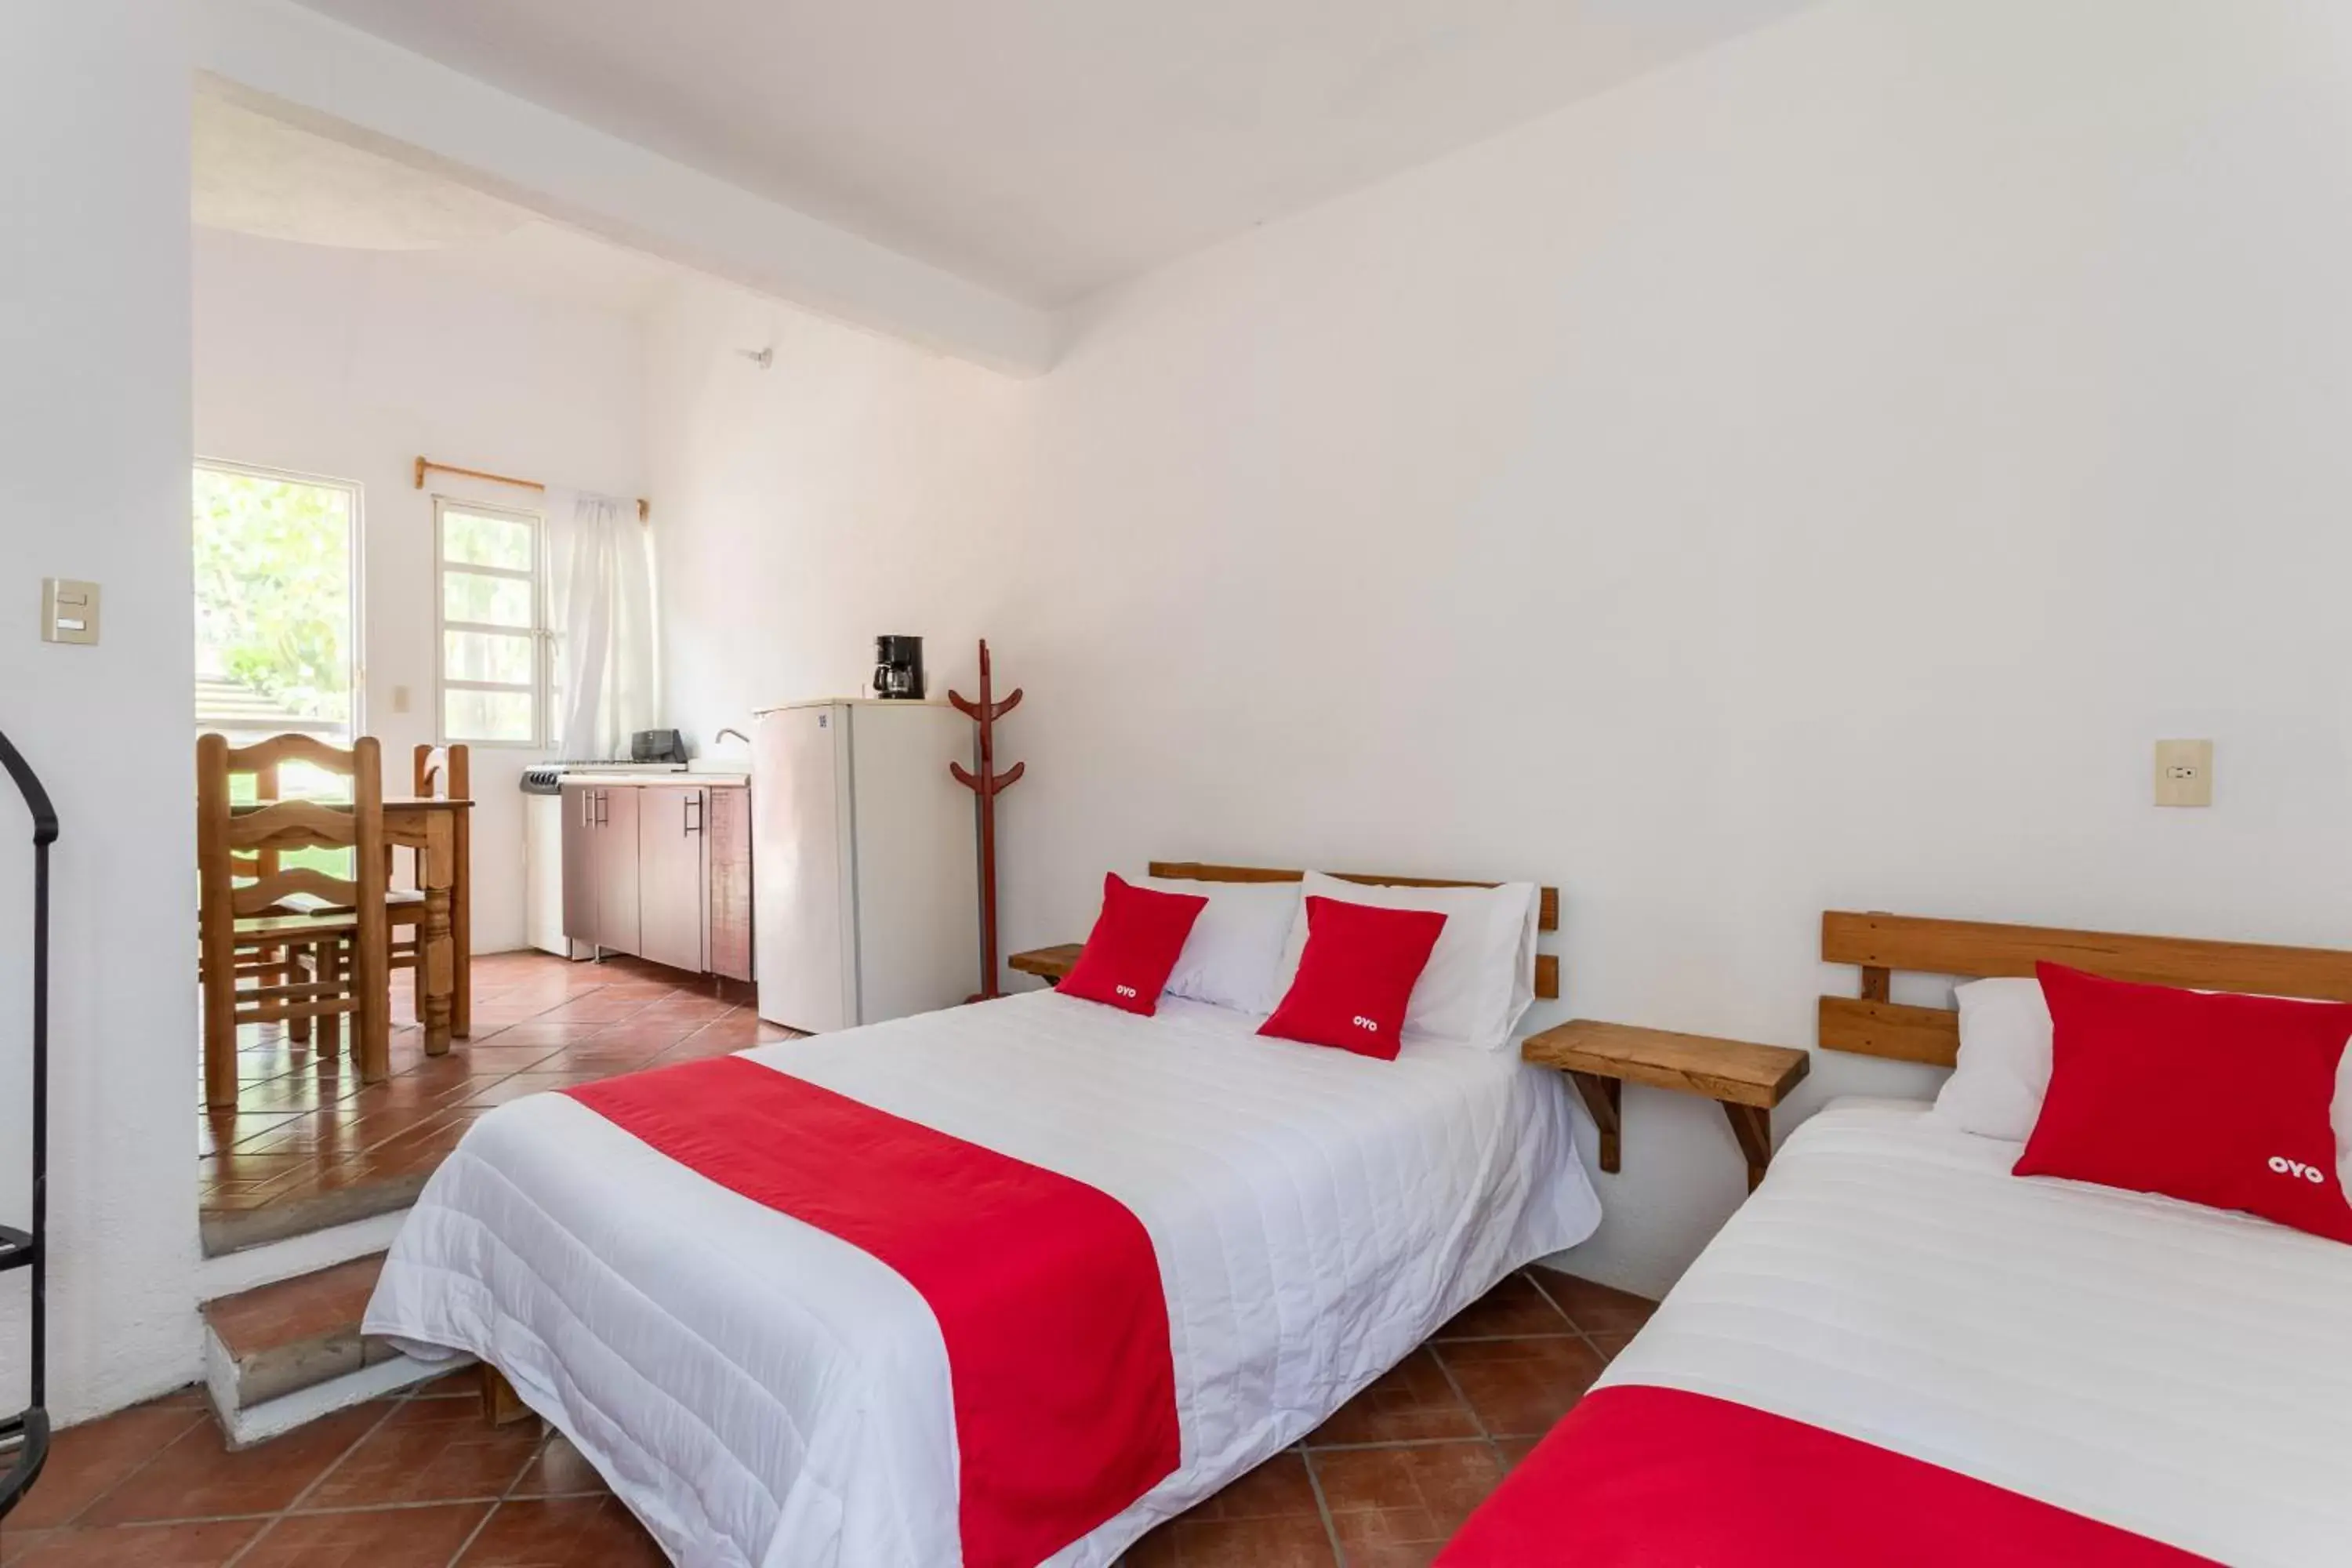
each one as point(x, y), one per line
point(68, 610)
point(2184, 772)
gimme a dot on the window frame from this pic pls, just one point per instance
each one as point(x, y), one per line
point(355, 547)
point(541, 634)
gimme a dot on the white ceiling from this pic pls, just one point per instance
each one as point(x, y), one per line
point(260, 175)
point(255, 174)
point(1048, 147)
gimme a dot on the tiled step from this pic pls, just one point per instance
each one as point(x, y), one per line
point(281, 1355)
point(233, 1230)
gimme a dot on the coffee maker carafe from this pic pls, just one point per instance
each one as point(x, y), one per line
point(898, 667)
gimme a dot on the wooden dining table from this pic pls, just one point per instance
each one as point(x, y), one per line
point(441, 832)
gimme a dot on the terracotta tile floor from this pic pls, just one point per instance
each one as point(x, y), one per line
point(415, 1482)
point(424, 1481)
point(308, 1146)
point(1392, 1475)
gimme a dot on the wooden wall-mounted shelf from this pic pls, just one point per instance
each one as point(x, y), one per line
point(1747, 1081)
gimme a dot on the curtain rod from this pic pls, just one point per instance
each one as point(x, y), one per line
point(425, 465)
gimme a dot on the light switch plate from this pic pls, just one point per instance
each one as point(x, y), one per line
point(68, 610)
point(2184, 772)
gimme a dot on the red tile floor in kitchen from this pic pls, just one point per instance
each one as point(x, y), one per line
point(309, 1146)
point(424, 1481)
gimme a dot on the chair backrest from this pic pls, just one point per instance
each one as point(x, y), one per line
point(443, 772)
point(263, 763)
point(249, 840)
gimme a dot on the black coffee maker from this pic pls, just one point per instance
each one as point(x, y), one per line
point(898, 667)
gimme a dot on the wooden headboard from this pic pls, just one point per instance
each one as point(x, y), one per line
point(1546, 900)
point(1872, 1026)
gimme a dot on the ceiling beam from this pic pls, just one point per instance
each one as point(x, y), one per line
point(320, 73)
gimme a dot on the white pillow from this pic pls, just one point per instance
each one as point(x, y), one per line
point(1233, 956)
point(1482, 973)
point(2004, 1070)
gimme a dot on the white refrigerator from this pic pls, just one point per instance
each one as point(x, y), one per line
point(864, 862)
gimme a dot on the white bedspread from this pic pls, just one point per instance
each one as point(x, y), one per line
point(2176, 1371)
point(759, 1391)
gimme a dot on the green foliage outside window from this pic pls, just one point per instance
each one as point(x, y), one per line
point(273, 576)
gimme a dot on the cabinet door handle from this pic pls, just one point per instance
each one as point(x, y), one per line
point(604, 807)
point(692, 815)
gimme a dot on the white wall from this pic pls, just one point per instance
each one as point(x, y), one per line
point(1807, 478)
point(94, 483)
point(349, 364)
point(858, 487)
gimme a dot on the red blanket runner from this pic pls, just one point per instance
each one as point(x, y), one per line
point(1047, 1292)
point(1655, 1478)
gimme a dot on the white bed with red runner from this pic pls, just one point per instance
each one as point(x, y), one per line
point(1898, 1352)
point(761, 1388)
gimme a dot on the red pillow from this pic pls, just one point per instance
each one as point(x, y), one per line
point(1355, 976)
point(1133, 948)
point(2220, 1100)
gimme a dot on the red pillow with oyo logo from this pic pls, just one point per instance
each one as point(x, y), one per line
point(1355, 976)
point(1133, 948)
point(2218, 1099)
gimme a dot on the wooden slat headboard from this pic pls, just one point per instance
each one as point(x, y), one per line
point(1547, 898)
point(1871, 1025)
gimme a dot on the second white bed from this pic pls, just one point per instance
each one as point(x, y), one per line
point(2182, 1373)
point(761, 1392)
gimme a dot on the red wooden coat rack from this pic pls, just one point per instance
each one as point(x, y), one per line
point(988, 784)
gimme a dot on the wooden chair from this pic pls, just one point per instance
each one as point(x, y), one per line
point(291, 922)
point(443, 772)
point(318, 958)
point(277, 963)
point(404, 907)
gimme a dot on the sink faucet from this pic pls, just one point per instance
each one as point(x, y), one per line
point(730, 731)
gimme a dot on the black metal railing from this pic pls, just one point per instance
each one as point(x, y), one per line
point(25, 1436)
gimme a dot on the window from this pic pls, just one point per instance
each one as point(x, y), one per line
point(277, 585)
point(276, 603)
point(496, 652)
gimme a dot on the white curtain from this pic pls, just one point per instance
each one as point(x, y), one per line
point(600, 580)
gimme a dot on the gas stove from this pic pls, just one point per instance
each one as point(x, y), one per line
point(546, 778)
